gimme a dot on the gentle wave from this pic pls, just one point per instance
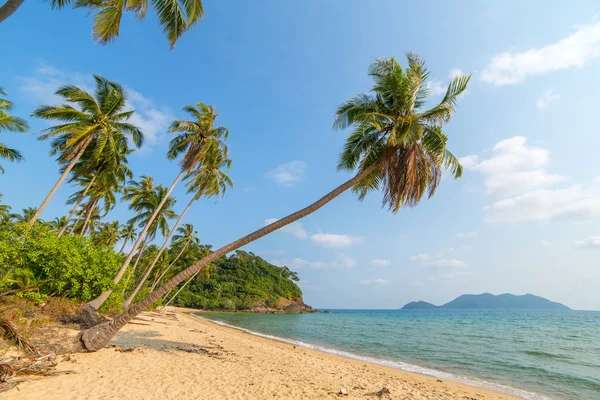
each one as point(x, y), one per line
point(394, 364)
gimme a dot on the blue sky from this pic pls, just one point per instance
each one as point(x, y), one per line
point(524, 218)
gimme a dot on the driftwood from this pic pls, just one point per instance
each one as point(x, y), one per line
point(384, 393)
point(10, 332)
point(14, 369)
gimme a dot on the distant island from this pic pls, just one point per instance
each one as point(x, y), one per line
point(483, 301)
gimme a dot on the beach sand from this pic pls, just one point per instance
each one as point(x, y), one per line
point(178, 356)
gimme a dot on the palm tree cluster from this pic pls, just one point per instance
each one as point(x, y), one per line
point(396, 145)
point(91, 142)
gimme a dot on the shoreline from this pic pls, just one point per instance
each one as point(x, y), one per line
point(394, 365)
point(178, 355)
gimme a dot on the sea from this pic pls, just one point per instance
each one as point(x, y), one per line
point(537, 355)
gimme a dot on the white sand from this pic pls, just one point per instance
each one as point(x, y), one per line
point(178, 356)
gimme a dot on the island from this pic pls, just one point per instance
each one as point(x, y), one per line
point(483, 301)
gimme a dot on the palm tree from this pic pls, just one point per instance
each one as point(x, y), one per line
point(186, 236)
point(107, 235)
point(160, 223)
point(397, 146)
point(24, 216)
point(206, 181)
point(176, 18)
point(58, 223)
point(197, 140)
point(94, 119)
point(4, 211)
point(11, 124)
point(112, 163)
point(127, 233)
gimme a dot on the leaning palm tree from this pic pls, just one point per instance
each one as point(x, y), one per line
point(159, 224)
point(196, 141)
point(186, 235)
point(176, 18)
point(127, 233)
point(11, 124)
point(112, 162)
point(89, 119)
point(396, 146)
point(206, 181)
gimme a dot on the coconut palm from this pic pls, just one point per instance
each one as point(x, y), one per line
point(93, 119)
point(197, 140)
point(160, 222)
point(58, 223)
point(112, 163)
point(107, 234)
point(396, 146)
point(4, 211)
point(186, 235)
point(25, 215)
point(11, 124)
point(127, 233)
point(176, 18)
point(207, 181)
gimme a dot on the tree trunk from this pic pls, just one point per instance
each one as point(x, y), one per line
point(9, 8)
point(98, 301)
point(135, 264)
point(60, 181)
point(162, 249)
point(126, 240)
point(87, 218)
point(169, 267)
point(72, 231)
point(181, 288)
point(87, 188)
point(98, 336)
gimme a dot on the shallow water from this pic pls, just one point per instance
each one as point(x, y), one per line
point(533, 354)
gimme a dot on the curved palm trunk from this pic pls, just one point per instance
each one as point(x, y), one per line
point(162, 249)
point(98, 336)
point(181, 288)
point(126, 240)
point(139, 257)
point(72, 231)
point(9, 8)
point(169, 267)
point(60, 181)
point(87, 218)
point(87, 188)
point(98, 301)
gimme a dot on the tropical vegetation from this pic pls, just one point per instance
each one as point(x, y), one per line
point(396, 145)
point(175, 17)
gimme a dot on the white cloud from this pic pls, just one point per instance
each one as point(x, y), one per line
point(575, 202)
point(289, 174)
point(436, 88)
point(439, 262)
point(455, 72)
point(469, 235)
point(378, 262)
point(445, 263)
point(294, 228)
point(514, 168)
point(545, 243)
point(592, 242)
point(151, 119)
point(573, 51)
point(516, 173)
point(331, 240)
point(340, 261)
point(376, 281)
point(420, 257)
point(547, 99)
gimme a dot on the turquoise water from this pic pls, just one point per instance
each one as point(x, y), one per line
point(534, 354)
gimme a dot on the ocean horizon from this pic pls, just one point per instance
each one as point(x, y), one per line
point(533, 354)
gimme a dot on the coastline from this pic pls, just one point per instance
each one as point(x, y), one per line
point(177, 355)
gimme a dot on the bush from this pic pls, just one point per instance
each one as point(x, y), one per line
point(69, 266)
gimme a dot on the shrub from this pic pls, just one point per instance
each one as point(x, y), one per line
point(68, 266)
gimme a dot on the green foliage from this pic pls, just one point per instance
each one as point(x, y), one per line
point(239, 282)
point(68, 266)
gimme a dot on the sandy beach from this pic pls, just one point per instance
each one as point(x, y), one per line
point(175, 355)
